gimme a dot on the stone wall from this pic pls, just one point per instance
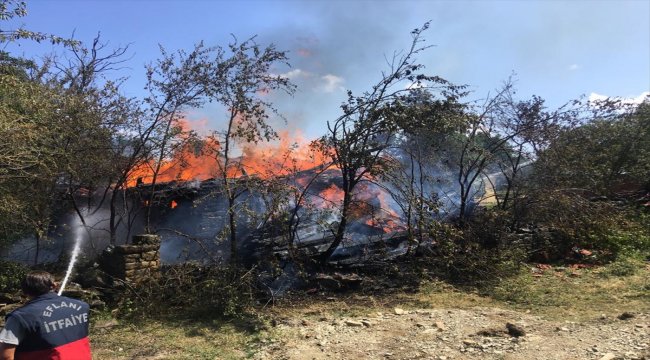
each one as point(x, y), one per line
point(135, 262)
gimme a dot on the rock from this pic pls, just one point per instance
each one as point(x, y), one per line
point(146, 239)
point(327, 282)
point(353, 323)
point(349, 280)
point(106, 324)
point(366, 323)
point(304, 322)
point(440, 325)
point(561, 329)
point(514, 330)
point(97, 304)
point(399, 311)
point(468, 342)
point(608, 356)
point(626, 316)
point(337, 281)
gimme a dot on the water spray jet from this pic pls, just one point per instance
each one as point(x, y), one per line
point(78, 236)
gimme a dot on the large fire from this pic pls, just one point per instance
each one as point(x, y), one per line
point(292, 154)
point(203, 160)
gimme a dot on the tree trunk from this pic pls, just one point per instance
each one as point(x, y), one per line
point(38, 249)
point(340, 231)
point(111, 221)
point(234, 256)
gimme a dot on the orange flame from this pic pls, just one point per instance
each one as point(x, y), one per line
point(290, 155)
point(333, 195)
point(203, 161)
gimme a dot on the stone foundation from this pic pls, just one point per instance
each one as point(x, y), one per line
point(133, 263)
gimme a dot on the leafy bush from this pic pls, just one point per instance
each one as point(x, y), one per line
point(624, 266)
point(213, 291)
point(463, 257)
point(11, 276)
point(572, 220)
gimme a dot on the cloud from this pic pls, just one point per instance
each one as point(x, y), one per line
point(633, 100)
point(332, 83)
point(295, 73)
point(414, 85)
point(328, 83)
point(574, 67)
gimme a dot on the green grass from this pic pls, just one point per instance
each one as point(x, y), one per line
point(623, 285)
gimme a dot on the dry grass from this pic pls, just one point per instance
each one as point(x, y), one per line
point(176, 339)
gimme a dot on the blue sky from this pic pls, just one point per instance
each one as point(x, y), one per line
point(558, 49)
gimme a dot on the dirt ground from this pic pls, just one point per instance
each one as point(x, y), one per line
point(478, 333)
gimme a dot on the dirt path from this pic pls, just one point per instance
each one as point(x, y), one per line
point(478, 333)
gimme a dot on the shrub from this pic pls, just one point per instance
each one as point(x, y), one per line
point(11, 276)
point(624, 266)
point(213, 291)
point(571, 220)
point(478, 255)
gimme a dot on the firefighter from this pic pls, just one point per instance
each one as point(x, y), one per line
point(49, 326)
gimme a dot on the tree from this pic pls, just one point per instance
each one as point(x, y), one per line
point(91, 118)
point(503, 136)
point(50, 138)
point(528, 127)
point(108, 159)
point(238, 78)
point(606, 152)
point(10, 9)
point(240, 83)
point(419, 181)
point(60, 134)
point(176, 83)
point(357, 141)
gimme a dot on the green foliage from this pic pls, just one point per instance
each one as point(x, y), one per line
point(11, 9)
point(50, 139)
point(214, 291)
point(625, 242)
point(624, 266)
point(358, 141)
point(11, 275)
point(605, 155)
point(568, 220)
point(461, 259)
